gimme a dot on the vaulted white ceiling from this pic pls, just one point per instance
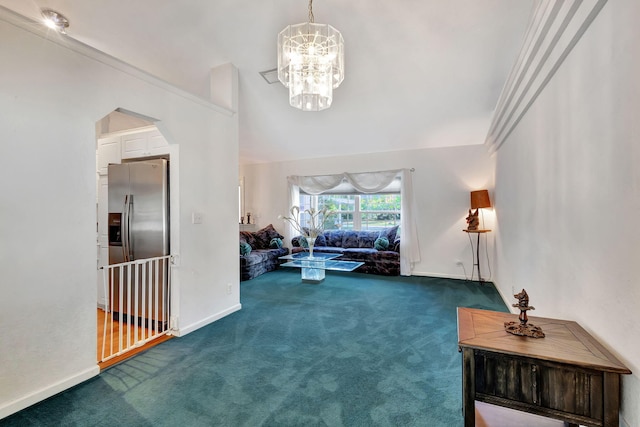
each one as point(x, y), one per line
point(418, 73)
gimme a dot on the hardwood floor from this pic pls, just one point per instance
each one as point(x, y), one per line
point(127, 334)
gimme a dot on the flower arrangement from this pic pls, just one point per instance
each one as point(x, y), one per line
point(314, 226)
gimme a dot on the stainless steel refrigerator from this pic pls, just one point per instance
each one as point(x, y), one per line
point(138, 198)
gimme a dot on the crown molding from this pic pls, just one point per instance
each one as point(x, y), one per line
point(74, 45)
point(555, 28)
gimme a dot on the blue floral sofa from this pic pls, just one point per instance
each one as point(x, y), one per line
point(259, 252)
point(360, 246)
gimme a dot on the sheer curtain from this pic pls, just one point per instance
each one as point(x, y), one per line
point(409, 245)
point(294, 200)
point(368, 182)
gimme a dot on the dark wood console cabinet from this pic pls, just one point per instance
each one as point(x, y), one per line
point(567, 375)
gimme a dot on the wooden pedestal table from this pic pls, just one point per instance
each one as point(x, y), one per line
point(567, 375)
point(476, 263)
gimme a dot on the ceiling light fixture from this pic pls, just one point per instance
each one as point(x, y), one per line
point(310, 63)
point(55, 21)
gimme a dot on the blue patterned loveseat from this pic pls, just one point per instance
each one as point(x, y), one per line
point(262, 253)
point(360, 246)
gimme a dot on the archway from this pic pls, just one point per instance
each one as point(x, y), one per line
point(134, 256)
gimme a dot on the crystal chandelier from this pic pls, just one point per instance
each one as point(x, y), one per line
point(310, 63)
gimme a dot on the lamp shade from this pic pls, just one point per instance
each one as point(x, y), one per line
point(480, 199)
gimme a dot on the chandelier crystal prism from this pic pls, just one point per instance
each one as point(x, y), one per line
point(310, 63)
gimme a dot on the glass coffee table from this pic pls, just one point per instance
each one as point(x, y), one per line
point(313, 268)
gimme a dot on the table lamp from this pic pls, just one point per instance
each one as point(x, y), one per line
point(480, 199)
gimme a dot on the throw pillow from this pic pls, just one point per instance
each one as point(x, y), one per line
point(390, 233)
point(245, 248)
point(350, 239)
point(304, 243)
point(264, 236)
point(367, 239)
point(248, 237)
point(275, 243)
point(333, 238)
point(381, 244)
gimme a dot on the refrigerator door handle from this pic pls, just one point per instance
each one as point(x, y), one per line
point(124, 231)
point(129, 242)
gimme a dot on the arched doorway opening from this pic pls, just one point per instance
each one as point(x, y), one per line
point(133, 182)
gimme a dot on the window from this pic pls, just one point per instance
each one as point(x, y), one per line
point(363, 200)
point(355, 211)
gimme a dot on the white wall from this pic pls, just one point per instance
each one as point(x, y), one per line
point(568, 193)
point(442, 180)
point(50, 100)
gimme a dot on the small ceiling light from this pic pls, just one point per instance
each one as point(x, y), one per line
point(310, 63)
point(55, 21)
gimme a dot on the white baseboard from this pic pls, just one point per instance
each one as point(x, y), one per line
point(505, 298)
point(44, 393)
point(508, 299)
point(438, 275)
point(204, 322)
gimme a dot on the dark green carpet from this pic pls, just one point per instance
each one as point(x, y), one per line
point(356, 350)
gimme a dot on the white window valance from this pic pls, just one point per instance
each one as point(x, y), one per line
point(369, 183)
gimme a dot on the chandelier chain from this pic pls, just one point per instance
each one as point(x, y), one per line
point(311, 11)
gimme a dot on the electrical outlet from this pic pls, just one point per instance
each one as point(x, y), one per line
point(196, 218)
point(229, 288)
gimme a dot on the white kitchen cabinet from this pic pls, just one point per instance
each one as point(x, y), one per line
point(108, 152)
point(144, 144)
